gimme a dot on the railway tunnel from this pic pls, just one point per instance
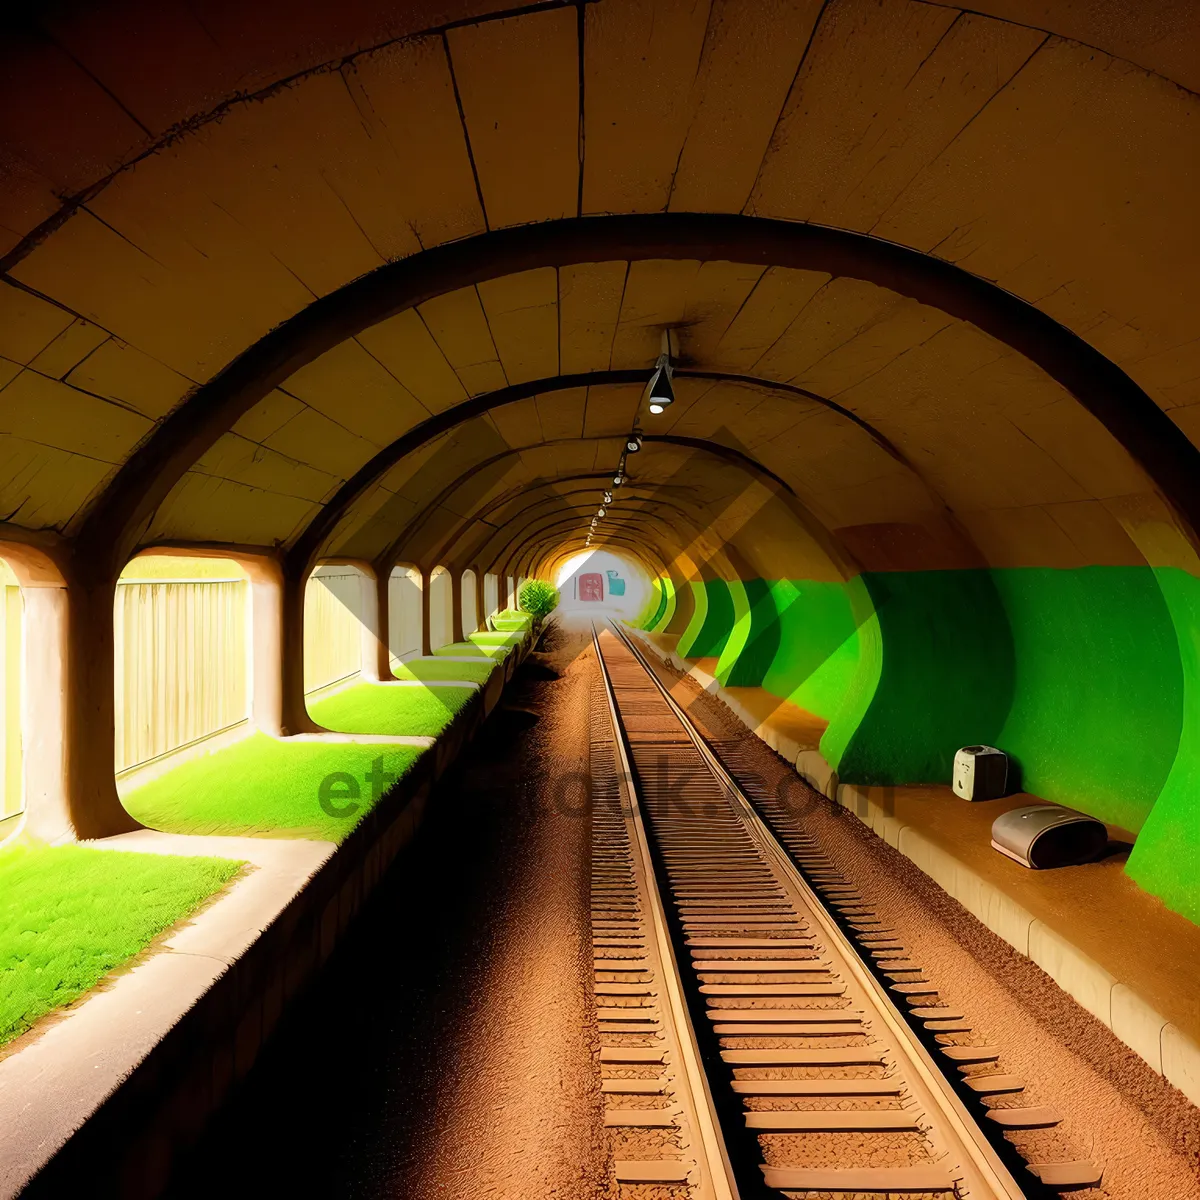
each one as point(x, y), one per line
point(513, 517)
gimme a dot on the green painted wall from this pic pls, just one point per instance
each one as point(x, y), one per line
point(1166, 855)
point(712, 622)
point(816, 644)
point(1098, 695)
point(746, 661)
point(945, 676)
point(656, 606)
point(1089, 678)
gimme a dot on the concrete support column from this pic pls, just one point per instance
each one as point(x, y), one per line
point(89, 724)
point(44, 712)
point(426, 643)
point(456, 621)
point(481, 611)
point(376, 617)
point(294, 716)
point(266, 644)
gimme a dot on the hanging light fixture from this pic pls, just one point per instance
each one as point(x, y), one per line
point(633, 443)
point(601, 511)
point(608, 497)
point(660, 392)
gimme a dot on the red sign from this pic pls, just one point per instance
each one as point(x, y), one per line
point(591, 586)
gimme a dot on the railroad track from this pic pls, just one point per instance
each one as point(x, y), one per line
point(774, 1045)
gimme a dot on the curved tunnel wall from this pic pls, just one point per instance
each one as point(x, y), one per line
point(1089, 678)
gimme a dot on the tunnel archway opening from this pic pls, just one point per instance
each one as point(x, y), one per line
point(601, 583)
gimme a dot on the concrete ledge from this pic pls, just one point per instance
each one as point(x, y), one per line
point(1132, 1018)
point(815, 771)
point(90, 1113)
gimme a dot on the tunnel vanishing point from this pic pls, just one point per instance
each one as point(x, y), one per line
point(357, 311)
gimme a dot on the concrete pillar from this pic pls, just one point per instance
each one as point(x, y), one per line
point(376, 618)
point(426, 643)
point(44, 712)
point(89, 725)
point(294, 716)
point(266, 643)
point(456, 621)
point(481, 611)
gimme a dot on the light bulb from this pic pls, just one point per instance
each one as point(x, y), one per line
point(656, 409)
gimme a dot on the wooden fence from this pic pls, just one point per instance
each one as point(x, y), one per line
point(180, 664)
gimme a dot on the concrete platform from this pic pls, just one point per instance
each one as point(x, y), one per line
point(50, 1087)
point(1114, 948)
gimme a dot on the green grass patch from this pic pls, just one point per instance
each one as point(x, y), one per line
point(422, 669)
point(496, 638)
point(262, 787)
point(510, 618)
point(396, 711)
point(471, 650)
point(70, 914)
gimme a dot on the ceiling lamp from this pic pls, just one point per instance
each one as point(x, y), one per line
point(601, 511)
point(608, 497)
point(618, 479)
point(660, 392)
point(633, 443)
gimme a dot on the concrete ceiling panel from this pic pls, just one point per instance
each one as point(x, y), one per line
point(405, 99)
point(560, 414)
point(778, 298)
point(518, 80)
point(44, 410)
point(314, 438)
point(28, 324)
point(589, 304)
point(885, 88)
point(351, 386)
point(522, 314)
point(242, 461)
point(404, 345)
point(460, 328)
point(42, 487)
point(751, 53)
point(640, 60)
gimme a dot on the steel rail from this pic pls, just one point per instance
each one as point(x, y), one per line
point(971, 1161)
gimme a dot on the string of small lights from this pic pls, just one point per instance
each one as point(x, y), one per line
point(660, 395)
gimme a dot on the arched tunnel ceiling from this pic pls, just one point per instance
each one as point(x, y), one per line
point(169, 198)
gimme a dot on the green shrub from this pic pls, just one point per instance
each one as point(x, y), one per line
point(538, 598)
